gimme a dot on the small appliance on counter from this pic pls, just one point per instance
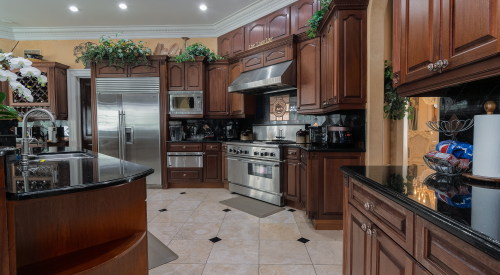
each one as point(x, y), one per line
point(300, 136)
point(247, 135)
point(318, 135)
point(176, 130)
point(340, 137)
point(232, 131)
point(209, 134)
point(186, 102)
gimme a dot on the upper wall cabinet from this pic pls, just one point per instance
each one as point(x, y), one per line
point(237, 41)
point(224, 45)
point(442, 43)
point(151, 69)
point(217, 96)
point(302, 11)
point(278, 23)
point(186, 76)
point(308, 75)
point(241, 105)
point(255, 32)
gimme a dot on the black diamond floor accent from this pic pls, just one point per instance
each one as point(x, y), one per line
point(183, 193)
point(303, 240)
point(292, 210)
point(233, 192)
point(226, 210)
point(162, 210)
point(216, 239)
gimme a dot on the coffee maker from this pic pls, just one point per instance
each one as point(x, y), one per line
point(232, 131)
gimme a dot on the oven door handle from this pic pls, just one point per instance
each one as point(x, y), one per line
point(274, 164)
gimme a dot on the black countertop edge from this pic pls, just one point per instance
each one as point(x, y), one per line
point(8, 151)
point(198, 141)
point(312, 148)
point(475, 238)
point(76, 189)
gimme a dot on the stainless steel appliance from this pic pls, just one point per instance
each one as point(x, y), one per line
point(318, 135)
point(340, 137)
point(255, 170)
point(176, 130)
point(271, 79)
point(185, 102)
point(128, 121)
point(185, 159)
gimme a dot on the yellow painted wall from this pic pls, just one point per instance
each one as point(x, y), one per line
point(62, 50)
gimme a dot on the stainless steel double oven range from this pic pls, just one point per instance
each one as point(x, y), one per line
point(255, 169)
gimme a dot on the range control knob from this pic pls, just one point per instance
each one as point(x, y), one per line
point(237, 152)
point(261, 154)
point(246, 152)
point(266, 154)
point(255, 153)
point(273, 154)
point(230, 150)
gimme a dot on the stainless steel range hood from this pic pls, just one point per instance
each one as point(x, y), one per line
point(270, 79)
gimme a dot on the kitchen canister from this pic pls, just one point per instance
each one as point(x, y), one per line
point(486, 144)
point(300, 136)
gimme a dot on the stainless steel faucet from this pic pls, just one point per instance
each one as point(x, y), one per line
point(25, 141)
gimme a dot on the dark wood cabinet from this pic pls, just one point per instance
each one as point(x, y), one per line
point(278, 23)
point(237, 42)
point(152, 69)
point(241, 105)
point(387, 256)
point(184, 147)
point(217, 95)
point(186, 76)
point(358, 246)
point(292, 180)
point(103, 69)
point(301, 12)
point(253, 62)
point(278, 55)
point(303, 184)
point(224, 45)
point(212, 170)
point(224, 168)
point(255, 32)
point(462, 34)
point(308, 75)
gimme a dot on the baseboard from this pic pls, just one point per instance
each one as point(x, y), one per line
point(328, 224)
point(195, 185)
point(294, 204)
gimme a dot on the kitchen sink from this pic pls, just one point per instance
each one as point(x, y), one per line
point(62, 156)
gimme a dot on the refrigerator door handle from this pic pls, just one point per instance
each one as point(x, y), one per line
point(123, 141)
point(120, 156)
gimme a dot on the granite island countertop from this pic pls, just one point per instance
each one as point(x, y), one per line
point(64, 176)
point(468, 209)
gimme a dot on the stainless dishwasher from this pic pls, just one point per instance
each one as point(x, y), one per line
point(185, 159)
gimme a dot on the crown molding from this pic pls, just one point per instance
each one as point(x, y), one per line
point(235, 20)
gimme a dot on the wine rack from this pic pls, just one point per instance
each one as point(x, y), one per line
point(40, 94)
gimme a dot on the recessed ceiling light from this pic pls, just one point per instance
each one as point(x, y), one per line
point(122, 6)
point(73, 8)
point(203, 7)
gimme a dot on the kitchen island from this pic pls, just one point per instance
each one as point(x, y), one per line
point(410, 220)
point(69, 215)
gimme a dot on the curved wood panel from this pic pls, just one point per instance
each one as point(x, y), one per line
point(303, 10)
point(175, 76)
point(193, 76)
point(105, 70)
point(142, 70)
point(279, 23)
point(253, 62)
point(237, 41)
point(308, 74)
point(218, 96)
point(255, 32)
point(225, 46)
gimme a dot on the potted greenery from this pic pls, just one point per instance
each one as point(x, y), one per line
point(121, 53)
point(7, 64)
point(397, 107)
point(197, 50)
point(316, 19)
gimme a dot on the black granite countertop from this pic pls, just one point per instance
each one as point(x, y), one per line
point(323, 148)
point(58, 177)
point(469, 209)
point(197, 141)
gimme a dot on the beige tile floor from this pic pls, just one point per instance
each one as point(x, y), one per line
point(249, 245)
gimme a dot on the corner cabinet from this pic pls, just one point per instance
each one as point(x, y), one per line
point(442, 43)
point(216, 92)
point(53, 97)
point(186, 76)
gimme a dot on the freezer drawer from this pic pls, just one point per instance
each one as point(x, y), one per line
point(185, 159)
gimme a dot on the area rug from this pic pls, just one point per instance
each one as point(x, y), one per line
point(158, 252)
point(253, 207)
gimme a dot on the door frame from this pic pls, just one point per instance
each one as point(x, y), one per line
point(74, 107)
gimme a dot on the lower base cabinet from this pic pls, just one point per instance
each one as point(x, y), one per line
point(212, 171)
point(191, 175)
point(292, 180)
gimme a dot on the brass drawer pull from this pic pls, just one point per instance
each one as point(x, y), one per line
point(184, 175)
point(369, 206)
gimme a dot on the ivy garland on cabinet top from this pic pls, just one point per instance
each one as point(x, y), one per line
point(197, 49)
point(397, 107)
point(316, 19)
point(120, 54)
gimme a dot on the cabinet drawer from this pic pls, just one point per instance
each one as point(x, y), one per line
point(292, 153)
point(442, 253)
point(224, 148)
point(185, 175)
point(184, 147)
point(391, 217)
point(211, 147)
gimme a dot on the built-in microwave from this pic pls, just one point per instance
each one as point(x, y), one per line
point(185, 102)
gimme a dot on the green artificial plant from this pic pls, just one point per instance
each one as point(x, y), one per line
point(316, 19)
point(197, 49)
point(397, 107)
point(120, 54)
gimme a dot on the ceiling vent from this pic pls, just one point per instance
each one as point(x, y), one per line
point(39, 52)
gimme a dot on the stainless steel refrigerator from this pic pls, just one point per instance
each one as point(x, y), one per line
point(128, 121)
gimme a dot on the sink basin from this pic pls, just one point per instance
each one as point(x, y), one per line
point(62, 156)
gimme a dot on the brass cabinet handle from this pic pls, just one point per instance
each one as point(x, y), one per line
point(183, 147)
point(211, 147)
point(184, 175)
point(369, 206)
point(438, 66)
point(396, 78)
point(369, 232)
point(325, 103)
point(445, 64)
point(363, 227)
point(374, 233)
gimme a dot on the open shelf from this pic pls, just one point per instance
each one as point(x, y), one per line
point(85, 259)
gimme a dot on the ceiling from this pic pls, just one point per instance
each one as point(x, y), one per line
point(154, 18)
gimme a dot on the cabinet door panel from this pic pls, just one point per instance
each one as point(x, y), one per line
point(253, 62)
point(470, 30)
point(60, 106)
point(303, 184)
point(308, 74)
point(255, 32)
point(194, 76)
point(387, 256)
point(358, 244)
point(212, 167)
point(225, 45)
point(352, 56)
point(105, 70)
point(279, 23)
point(421, 38)
point(237, 41)
point(442, 253)
point(275, 56)
point(175, 76)
point(217, 96)
point(237, 104)
point(302, 11)
point(224, 168)
point(142, 70)
point(291, 180)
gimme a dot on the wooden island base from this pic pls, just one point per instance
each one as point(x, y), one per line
point(96, 232)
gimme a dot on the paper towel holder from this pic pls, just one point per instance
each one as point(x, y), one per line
point(489, 107)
